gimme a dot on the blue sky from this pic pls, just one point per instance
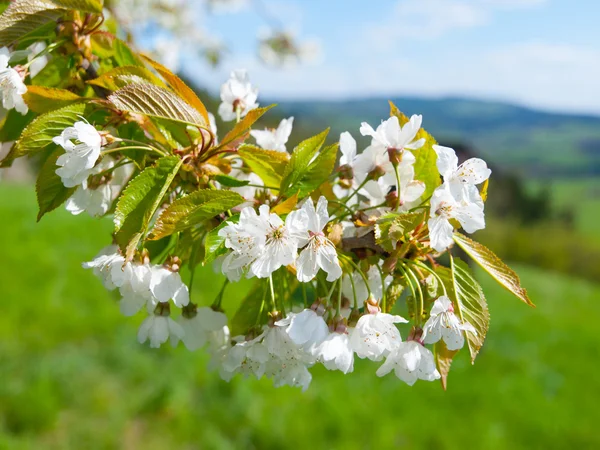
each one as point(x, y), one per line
point(539, 53)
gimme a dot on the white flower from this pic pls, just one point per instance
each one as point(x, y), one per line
point(444, 206)
point(167, 285)
point(281, 240)
point(291, 373)
point(306, 328)
point(104, 263)
point(319, 251)
point(374, 158)
point(443, 324)
point(246, 357)
point(248, 192)
point(205, 326)
point(348, 149)
point(411, 362)
point(40, 62)
point(158, 329)
point(390, 134)
point(237, 94)
point(135, 289)
point(11, 84)
point(375, 283)
point(461, 179)
point(97, 201)
point(336, 352)
point(274, 139)
point(410, 190)
point(79, 159)
point(168, 52)
point(375, 335)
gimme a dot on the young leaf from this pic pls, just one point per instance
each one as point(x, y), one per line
point(193, 209)
point(286, 207)
point(125, 56)
point(39, 133)
point(240, 130)
point(317, 173)
point(42, 99)
point(494, 266)
point(267, 164)
point(151, 100)
point(140, 200)
point(251, 311)
point(90, 6)
point(391, 227)
point(25, 16)
point(228, 181)
point(51, 193)
point(308, 168)
point(119, 77)
point(425, 163)
point(179, 87)
point(443, 360)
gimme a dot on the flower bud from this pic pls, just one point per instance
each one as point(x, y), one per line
point(389, 265)
point(173, 263)
point(372, 305)
point(346, 172)
point(392, 200)
point(376, 173)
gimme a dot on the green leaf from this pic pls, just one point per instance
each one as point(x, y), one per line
point(13, 125)
point(494, 266)
point(269, 165)
point(425, 163)
point(193, 209)
point(91, 6)
point(251, 311)
point(308, 168)
point(214, 245)
point(39, 133)
point(154, 101)
point(119, 77)
point(228, 181)
point(51, 193)
point(392, 227)
point(140, 200)
point(182, 89)
point(125, 56)
point(241, 130)
point(468, 299)
point(42, 99)
point(25, 16)
point(443, 360)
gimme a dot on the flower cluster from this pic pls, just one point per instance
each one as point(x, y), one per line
point(341, 257)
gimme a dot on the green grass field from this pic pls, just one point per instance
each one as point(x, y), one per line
point(74, 377)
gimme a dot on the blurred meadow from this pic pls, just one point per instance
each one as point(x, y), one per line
point(72, 375)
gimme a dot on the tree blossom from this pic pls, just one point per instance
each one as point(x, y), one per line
point(103, 264)
point(166, 285)
point(336, 352)
point(202, 326)
point(274, 139)
point(443, 324)
point(375, 335)
point(11, 84)
point(391, 135)
point(411, 362)
point(306, 328)
point(319, 252)
point(444, 206)
point(238, 96)
point(158, 329)
point(246, 357)
point(461, 179)
point(409, 192)
point(80, 157)
point(135, 289)
point(98, 200)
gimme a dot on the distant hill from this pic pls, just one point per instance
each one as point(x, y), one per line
point(515, 138)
